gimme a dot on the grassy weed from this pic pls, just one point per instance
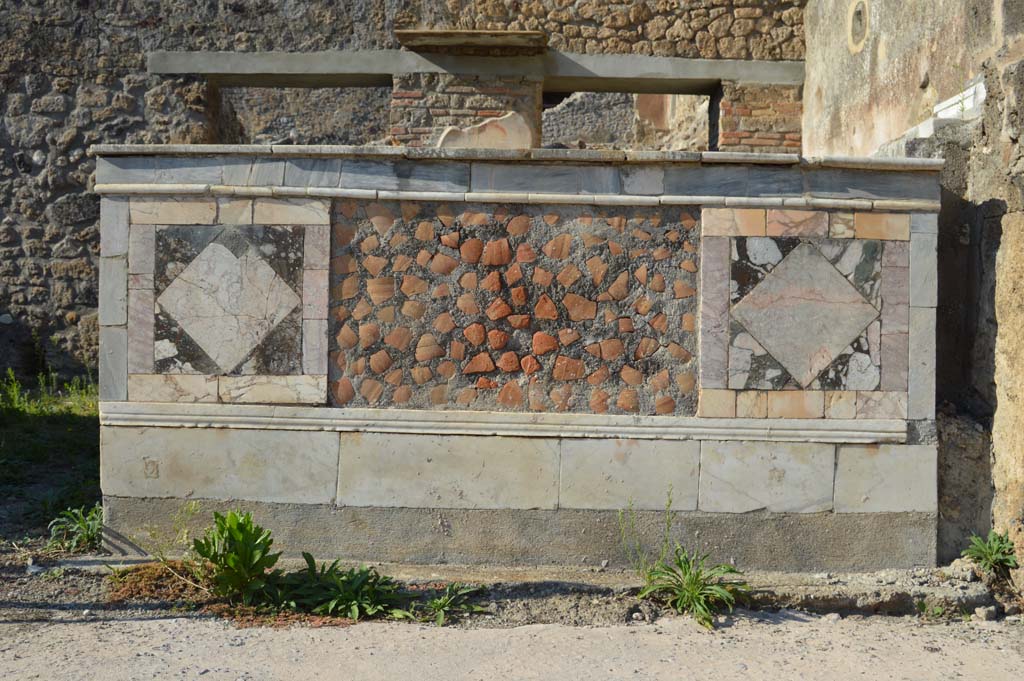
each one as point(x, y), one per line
point(682, 580)
point(77, 529)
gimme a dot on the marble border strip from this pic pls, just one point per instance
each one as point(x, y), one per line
point(888, 205)
point(575, 155)
point(509, 424)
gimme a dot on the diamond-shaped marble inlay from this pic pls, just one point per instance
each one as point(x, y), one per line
point(804, 313)
point(228, 304)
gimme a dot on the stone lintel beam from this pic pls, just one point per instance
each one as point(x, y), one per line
point(560, 71)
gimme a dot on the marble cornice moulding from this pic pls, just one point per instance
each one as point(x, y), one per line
point(597, 177)
point(534, 155)
point(887, 205)
point(507, 424)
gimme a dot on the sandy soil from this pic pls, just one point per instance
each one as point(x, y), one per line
point(782, 645)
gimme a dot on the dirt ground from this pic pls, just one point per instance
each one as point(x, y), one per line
point(60, 623)
point(750, 645)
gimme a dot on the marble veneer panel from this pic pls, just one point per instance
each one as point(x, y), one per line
point(814, 302)
point(240, 304)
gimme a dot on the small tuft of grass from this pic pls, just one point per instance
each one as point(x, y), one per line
point(450, 604)
point(77, 530)
point(691, 587)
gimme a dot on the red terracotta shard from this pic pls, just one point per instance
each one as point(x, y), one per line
point(481, 363)
point(498, 309)
point(544, 343)
point(568, 369)
point(508, 362)
point(497, 253)
point(545, 308)
point(475, 333)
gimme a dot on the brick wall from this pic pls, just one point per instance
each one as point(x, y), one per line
point(760, 118)
point(424, 104)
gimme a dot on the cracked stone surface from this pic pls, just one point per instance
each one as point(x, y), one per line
point(805, 313)
point(228, 304)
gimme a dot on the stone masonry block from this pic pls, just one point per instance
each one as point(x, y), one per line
point(113, 363)
point(887, 226)
point(140, 331)
point(316, 247)
point(643, 180)
point(291, 212)
point(796, 404)
point(751, 404)
point(158, 170)
point(840, 404)
point(173, 210)
point(312, 172)
point(927, 223)
point(923, 270)
point(886, 479)
point(921, 378)
point(113, 226)
point(521, 177)
point(739, 477)
point(314, 294)
point(454, 471)
point(714, 312)
point(281, 466)
point(141, 249)
point(405, 176)
point(234, 211)
point(113, 291)
point(880, 404)
point(314, 346)
point(611, 474)
point(273, 389)
point(714, 403)
point(172, 388)
point(733, 221)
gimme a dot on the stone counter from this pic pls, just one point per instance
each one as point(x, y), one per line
point(533, 340)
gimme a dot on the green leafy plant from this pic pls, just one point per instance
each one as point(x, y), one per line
point(330, 590)
point(994, 554)
point(54, 574)
point(689, 586)
point(451, 603)
point(77, 529)
point(238, 551)
point(934, 612)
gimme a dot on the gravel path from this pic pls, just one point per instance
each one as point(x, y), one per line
point(757, 645)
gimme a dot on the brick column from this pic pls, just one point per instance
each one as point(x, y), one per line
point(758, 118)
point(423, 105)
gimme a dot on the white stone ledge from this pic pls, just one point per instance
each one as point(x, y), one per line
point(148, 188)
point(875, 163)
point(514, 156)
point(177, 415)
point(744, 157)
point(887, 205)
